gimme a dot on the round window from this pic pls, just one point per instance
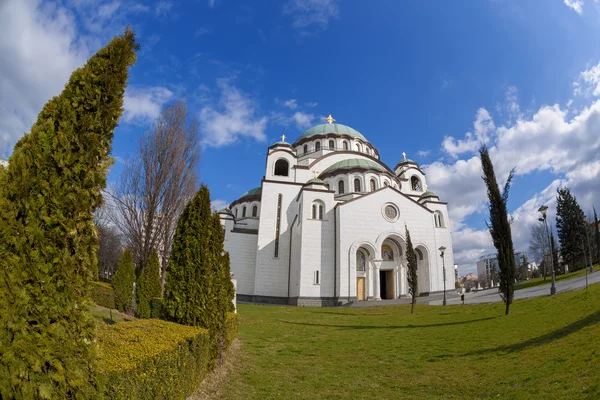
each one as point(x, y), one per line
point(390, 212)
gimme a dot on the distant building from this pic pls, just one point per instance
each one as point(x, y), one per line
point(4, 162)
point(487, 268)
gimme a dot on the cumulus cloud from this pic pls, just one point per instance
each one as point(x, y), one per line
point(291, 104)
point(576, 5)
point(483, 127)
point(303, 120)
point(311, 16)
point(144, 103)
point(235, 116)
point(588, 83)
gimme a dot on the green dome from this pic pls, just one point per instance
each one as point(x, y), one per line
point(254, 192)
point(407, 161)
point(315, 180)
point(336, 129)
point(225, 211)
point(428, 194)
point(353, 163)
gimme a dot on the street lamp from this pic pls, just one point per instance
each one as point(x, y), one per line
point(442, 249)
point(543, 210)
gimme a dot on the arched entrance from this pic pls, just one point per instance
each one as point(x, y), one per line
point(422, 270)
point(364, 257)
point(389, 269)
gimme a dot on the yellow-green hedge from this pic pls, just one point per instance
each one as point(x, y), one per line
point(152, 359)
point(231, 328)
point(103, 294)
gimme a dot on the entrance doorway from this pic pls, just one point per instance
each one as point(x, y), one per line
point(386, 284)
point(360, 288)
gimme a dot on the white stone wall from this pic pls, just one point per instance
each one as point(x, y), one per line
point(242, 254)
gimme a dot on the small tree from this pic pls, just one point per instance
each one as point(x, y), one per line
point(499, 227)
point(571, 226)
point(411, 276)
point(47, 236)
point(123, 282)
point(228, 283)
point(597, 235)
point(148, 286)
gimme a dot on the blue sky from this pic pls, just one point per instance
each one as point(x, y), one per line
point(431, 78)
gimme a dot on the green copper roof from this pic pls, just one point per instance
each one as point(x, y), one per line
point(315, 180)
point(408, 160)
point(428, 194)
point(337, 129)
point(225, 211)
point(353, 163)
point(254, 192)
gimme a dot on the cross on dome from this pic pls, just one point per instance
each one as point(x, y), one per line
point(316, 173)
point(283, 138)
point(404, 154)
point(330, 119)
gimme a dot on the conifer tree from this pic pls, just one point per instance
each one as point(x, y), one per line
point(554, 251)
point(597, 234)
point(411, 276)
point(148, 286)
point(499, 227)
point(123, 282)
point(571, 226)
point(228, 283)
point(47, 236)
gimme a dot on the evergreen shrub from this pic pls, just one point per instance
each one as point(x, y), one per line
point(156, 308)
point(123, 282)
point(103, 294)
point(152, 359)
point(232, 324)
point(148, 286)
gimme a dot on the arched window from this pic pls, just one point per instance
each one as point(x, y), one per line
point(387, 254)
point(373, 185)
point(438, 218)
point(419, 254)
point(386, 183)
point(358, 148)
point(331, 145)
point(368, 150)
point(317, 146)
point(235, 212)
point(305, 149)
point(341, 187)
point(415, 183)
point(361, 261)
point(317, 210)
point(281, 167)
point(244, 212)
point(345, 145)
point(254, 211)
point(357, 185)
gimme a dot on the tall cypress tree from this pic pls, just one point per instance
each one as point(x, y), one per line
point(411, 277)
point(500, 227)
point(148, 285)
point(228, 283)
point(47, 236)
point(123, 282)
point(597, 234)
point(571, 226)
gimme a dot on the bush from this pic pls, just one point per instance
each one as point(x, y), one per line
point(232, 324)
point(123, 282)
point(152, 359)
point(48, 241)
point(148, 286)
point(156, 308)
point(103, 294)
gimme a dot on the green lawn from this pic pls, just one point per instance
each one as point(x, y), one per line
point(108, 316)
point(547, 348)
point(558, 278)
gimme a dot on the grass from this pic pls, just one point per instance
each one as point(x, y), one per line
point(563, 277)
point(547, 348)
point(108, 316)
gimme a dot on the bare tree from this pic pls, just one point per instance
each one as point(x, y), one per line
point(538, 246)
point(156, 184)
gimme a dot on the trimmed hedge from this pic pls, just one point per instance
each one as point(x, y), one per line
point(232, 324)
point(103, 294)
point(152, 359)
point(156, 308)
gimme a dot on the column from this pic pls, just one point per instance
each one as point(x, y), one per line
point(376, 280)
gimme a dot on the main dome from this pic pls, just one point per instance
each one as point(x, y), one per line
point(336, 129)
point(351, 164)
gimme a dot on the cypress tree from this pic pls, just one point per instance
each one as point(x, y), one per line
point(47, 236)
point(148, 286)
point(230, 292)
point(597, 234)
point(411, 276)
point(571, 226)
point(499, 227)
point(123, 282)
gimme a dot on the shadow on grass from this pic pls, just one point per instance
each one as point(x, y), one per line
point(351, 314)
point(388, 326)
point(538, 341)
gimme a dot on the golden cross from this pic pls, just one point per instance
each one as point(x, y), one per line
point(330, 119)
point(404, 154)
point(283, 138)
point(316, 173)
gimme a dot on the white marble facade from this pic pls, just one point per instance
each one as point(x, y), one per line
point(327, 224)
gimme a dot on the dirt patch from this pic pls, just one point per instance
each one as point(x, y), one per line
point(210, 386)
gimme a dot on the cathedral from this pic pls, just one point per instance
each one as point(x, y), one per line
point(327, 225)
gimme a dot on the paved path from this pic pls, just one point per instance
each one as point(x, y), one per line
point(488, 295)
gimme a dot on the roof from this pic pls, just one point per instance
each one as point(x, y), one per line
point(428, 194)
point(336, 129)
point(353, 163)
point(248, 196)
point(315, 180)
point(225, 211)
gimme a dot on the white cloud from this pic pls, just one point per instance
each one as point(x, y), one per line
point(483, 126)
point(234, 117)
point(423, 153)
point(576, 5)
point(163, 7)
point(303, 120)
point(311, 16)
point(144, 103)
point(291, 104)
point(312, 104)
point(217, 205)
point(588, 83)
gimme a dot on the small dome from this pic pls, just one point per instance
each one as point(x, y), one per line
point(254, 192)
point(428, 194)
point(407, 161)
point(225, 211)
point(353, 163)
point(336, 129)
point(315, 180)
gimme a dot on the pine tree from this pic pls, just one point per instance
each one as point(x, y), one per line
point(571, 226)
point(148, 286)
point(411, 276)
point(499, 227)
point(228, 283)
point(597, 234)
point(123, 282)
point(47, 236)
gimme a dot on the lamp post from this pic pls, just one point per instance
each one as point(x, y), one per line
point(442, 249)
point(543, 210)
